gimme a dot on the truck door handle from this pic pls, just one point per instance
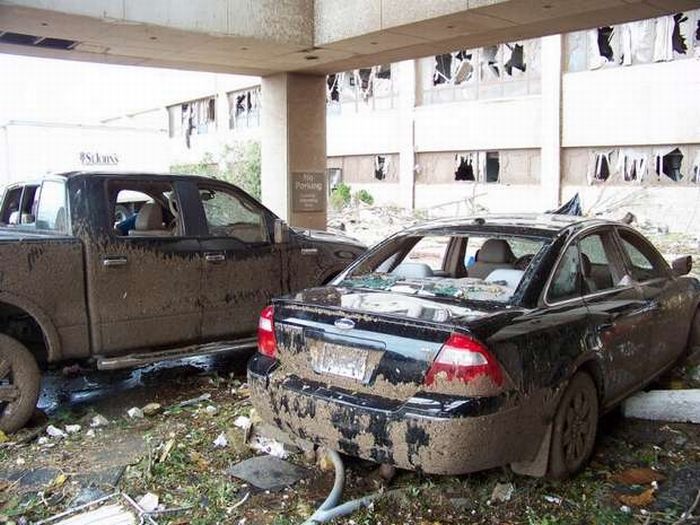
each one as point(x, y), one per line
point(309, 251)
point(214, 257)
point(114, 261)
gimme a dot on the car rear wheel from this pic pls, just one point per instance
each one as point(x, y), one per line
point(575, 427)
point(20, 380)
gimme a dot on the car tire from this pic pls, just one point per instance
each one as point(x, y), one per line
point(20, 381)
point(575, 427)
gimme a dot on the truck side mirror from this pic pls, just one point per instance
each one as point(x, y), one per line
point(281, 231)
point(682, 265)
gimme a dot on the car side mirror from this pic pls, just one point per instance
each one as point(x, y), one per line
point(682, 265)
point(281, 231)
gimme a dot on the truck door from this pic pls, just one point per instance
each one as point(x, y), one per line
point(144, 273)
point(242, 266)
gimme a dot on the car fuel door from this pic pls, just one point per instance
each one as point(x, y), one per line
point(242, 264)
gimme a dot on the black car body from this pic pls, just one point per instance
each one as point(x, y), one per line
point(421, 366)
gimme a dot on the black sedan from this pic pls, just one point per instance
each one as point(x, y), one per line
point(464, 345)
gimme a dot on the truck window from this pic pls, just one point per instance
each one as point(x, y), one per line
point(52, 213)
point(10, 207)
point(229, 215)
point(143, 209)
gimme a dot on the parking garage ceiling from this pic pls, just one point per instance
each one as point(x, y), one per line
point(268, 36)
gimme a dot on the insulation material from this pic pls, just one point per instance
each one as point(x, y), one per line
point(663, 40)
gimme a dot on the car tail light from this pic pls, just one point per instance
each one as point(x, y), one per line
point(267, 344)
point(463, 358)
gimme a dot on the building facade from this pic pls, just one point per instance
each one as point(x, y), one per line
point(611, 113)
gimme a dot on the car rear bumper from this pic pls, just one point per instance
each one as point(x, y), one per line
point(445, 436)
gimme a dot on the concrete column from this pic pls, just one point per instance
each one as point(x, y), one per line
point(407, 154)
point(293, 134)
point(550, 161)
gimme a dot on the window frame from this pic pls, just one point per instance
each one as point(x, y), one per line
point(265, 214)
point(42, 193)
point(576, 238)
point(627, 261)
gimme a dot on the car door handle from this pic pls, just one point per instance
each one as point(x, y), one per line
point(309, 251)
point(114, 261)
point(214, 257)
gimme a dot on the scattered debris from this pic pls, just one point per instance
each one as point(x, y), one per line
point(167, 448)
point(114, 509)
point(72, 429)
point(553, 499)
point(55, 432)
point(502, 492)
point(638, 476)
point(268, 472)
point(242, 422)
point(665, 405)
point(221, 441)
point(151, 409)
point(211, 410)
point(642, 499)
point(99, 421)
point(194, 401)
point(135, 413)
point(148, 502)
point(269, 446)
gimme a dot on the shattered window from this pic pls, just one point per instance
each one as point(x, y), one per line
point(602, 167)
point(492, 166)
point(566, 283)
point(332, 89)
point(230, 215)
point(516, 59)
point(464, 167)
point(670, 165)
point(604, 43)
point(437, 264)
point(599, 265)
point(244, 108)
point(678, 41)
point(381, 165)
point(443, 69)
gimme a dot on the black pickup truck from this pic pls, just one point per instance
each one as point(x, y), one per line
point(123, 269)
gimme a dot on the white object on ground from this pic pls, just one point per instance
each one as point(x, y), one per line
point(135, 413)
point(72, 429)
point(665, 405)
point(242, 422)
point(502, 492)
point(211, 410)
point(55, 432)
point(148, 502)
point(269, 446)
point(99, 421)
point(221, 441)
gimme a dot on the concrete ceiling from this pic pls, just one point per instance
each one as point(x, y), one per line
point(261, 37)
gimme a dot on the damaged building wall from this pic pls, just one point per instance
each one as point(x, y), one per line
point(658, 184)
point(510, 69)
point(459, 167)
point(367, 169)
point(362, 90)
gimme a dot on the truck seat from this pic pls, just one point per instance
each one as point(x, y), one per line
point(149, 222)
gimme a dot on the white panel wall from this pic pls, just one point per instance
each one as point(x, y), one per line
point(641, 104)
point(363, 133)
point(479, 125)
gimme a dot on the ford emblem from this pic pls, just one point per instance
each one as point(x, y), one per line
point(345, 323)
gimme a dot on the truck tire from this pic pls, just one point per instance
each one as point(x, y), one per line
point(20, 381)
point(575, 427)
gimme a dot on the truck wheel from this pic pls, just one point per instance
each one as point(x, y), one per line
point(20, 380)
point(575, 427)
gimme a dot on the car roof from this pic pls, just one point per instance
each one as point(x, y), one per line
point(528, 224)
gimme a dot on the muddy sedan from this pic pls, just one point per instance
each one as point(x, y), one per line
point(461, 346)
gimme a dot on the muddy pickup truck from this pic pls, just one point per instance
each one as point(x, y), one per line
point(120, 270)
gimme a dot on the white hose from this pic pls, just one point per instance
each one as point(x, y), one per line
point(330, 509)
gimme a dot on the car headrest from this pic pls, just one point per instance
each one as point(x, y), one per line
point(150, 217)
point(495, 251)
point(585, 265)
point(413, 270)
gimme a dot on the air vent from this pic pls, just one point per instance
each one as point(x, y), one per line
point(36, 41)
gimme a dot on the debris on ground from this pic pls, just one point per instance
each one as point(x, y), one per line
point(99, 421)
point(72, 429)
point(502, 493)
point(269, 446)
point(148, 502)
point(55, 432)
point(268, 472)
point(151, 409)
point(135, 413)
point(221, 441)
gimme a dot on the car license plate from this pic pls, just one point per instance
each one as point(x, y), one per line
point(340, 361)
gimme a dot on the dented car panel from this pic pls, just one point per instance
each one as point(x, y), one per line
point(358, 365)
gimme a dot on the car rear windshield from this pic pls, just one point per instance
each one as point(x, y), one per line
point(470, 267)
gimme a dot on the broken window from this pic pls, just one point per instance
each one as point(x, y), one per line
point(365, 78)
point(464, 167)
point(382, 80)
point(490, 63)
point(381, 166)
point(670, 165)
point(677, 39)
point(604, 39)
point(383, 71)
point(442, 73)
point(516, 59)
point(244, 108)
point(332, 91)
point(198, 117)
point(492, 166)
point(602, 167)
point(335, 177)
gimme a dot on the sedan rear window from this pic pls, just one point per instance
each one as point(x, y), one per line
point(468, 266)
